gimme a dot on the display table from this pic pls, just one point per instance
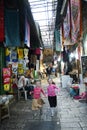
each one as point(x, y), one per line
point(4, 106)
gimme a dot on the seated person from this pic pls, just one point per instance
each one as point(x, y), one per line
point(29, 87)
point(21, 83)
point(74, 90)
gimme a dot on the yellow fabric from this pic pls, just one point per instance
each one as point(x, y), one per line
point(7, 52)
point(6, 87)
point(20, 53)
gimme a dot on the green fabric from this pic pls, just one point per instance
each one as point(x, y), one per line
point(36, 75)
point(2, 65)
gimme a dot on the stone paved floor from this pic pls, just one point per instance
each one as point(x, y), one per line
point(70, 114)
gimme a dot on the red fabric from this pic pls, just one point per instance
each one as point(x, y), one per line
point(75, 87)
point(2, 21)
point(37, 51)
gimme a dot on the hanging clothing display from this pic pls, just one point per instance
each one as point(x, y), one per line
point(75, 20)
point(20, 53)
point(7, 54)
point(12, 28)
point(2, 34)
point(13, 56)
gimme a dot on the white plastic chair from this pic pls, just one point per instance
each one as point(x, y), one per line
point(22, 91)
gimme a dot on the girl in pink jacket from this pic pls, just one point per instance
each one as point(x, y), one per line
point(37, 101)
point(52, 98)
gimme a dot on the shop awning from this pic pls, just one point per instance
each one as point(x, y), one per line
point(24, 9)
point(35, 38)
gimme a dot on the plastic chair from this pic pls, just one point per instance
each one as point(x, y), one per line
point(20, 93)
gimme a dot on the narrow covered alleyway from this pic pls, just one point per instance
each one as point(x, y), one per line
point(70, 114)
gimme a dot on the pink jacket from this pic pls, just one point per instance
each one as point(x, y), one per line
point(37, 92)
point(51, 90)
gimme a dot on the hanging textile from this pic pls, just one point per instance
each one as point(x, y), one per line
point(65, 55)
point(66, 24)
point(13, 55)
point(26, 53)
point(27, 33)
point(12, 28)
point(20, 53)
point(61, 12)
point(75, 20)
point(7, 54)
point(2, 35)
point(57, 40)
point(37, 51)
point(11, 4)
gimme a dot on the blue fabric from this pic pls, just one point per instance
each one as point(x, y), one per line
point(72, 92)
point(57, 40)
point(12, 28)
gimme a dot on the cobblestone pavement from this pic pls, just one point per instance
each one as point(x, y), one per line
point(70, 114)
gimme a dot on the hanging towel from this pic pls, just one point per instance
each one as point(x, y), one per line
point(12, 28)
point(2, 36)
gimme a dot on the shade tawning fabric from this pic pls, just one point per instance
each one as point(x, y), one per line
point(12, 28)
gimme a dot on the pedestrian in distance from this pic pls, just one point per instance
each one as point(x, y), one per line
point(49, 70)
point(52, 96)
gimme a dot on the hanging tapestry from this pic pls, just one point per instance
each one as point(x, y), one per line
point(75, 20)
point(2, 34)
point(66, 24)
point(61, 12)
point(12, 28)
